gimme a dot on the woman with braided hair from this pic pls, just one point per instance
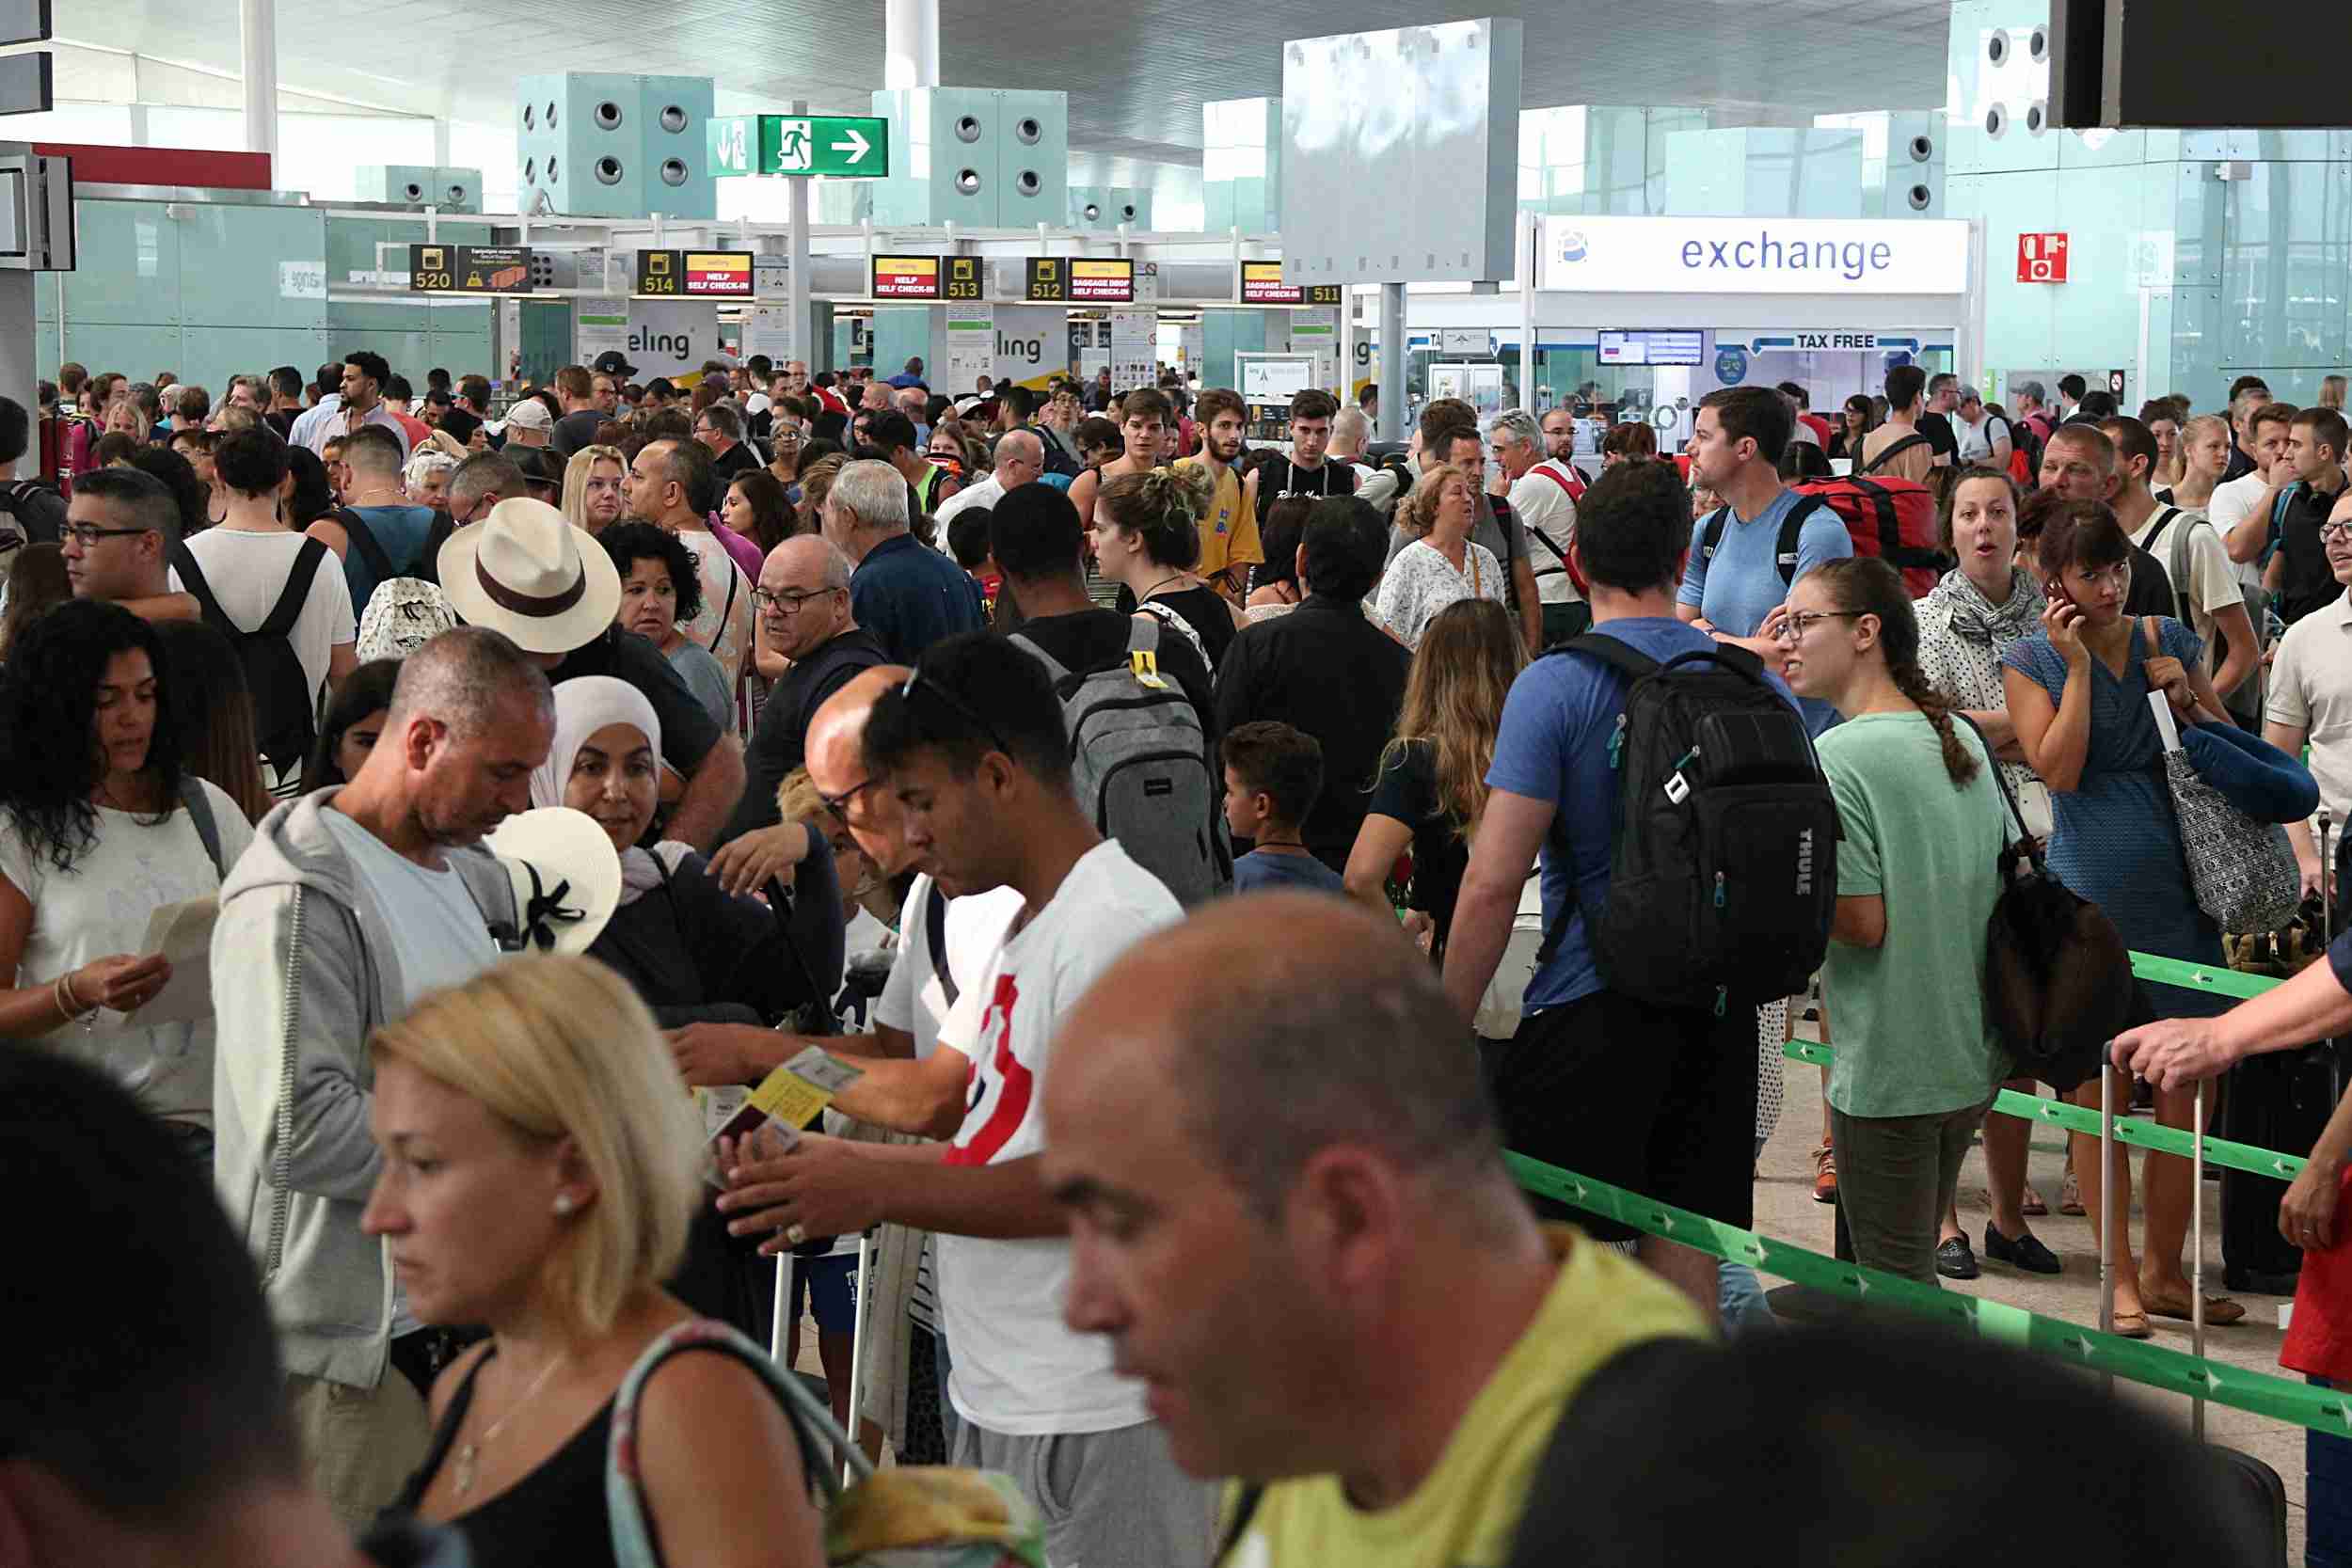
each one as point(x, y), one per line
point(1922, 827)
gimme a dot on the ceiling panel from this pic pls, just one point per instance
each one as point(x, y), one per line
point(1137, 73)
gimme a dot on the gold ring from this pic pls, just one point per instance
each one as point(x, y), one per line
point(795, 1235)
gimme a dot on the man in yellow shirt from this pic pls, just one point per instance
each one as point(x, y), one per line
point(1290, 1218)
point(1228, 532)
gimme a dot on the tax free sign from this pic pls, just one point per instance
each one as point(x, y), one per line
point(1753, 255)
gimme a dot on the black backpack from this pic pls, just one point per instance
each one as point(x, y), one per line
point(38, 511)
point(1723, 869)
point(285, 709)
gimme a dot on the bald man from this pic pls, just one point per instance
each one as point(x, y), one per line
point(1020, 458)
point(803, 602)
point(1216, 1163)
point(974, 751)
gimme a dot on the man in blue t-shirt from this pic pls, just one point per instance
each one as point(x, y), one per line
point(374, 500)
point(1656, 1100)
point(1737, 591)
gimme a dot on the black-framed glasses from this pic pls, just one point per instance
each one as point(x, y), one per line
point(1799, 622)
point(840, 804)
point(87, 534)
point(2339, 528)
point(790, 601)
point(955, 704)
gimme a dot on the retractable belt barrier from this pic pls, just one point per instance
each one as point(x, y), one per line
point(2139, 1131)
point(2320, 1409)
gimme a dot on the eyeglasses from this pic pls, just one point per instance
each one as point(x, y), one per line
point(955, 704)
point(2334, 530)
point(840, 804)
point(790, 601)
point(1796, 624)
point(88, 535)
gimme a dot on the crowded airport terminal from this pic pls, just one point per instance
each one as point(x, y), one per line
point(908, 787)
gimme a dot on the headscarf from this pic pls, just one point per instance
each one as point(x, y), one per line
point(583, 706)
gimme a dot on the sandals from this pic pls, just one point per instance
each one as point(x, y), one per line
point(2070, 1197)
point(2033, 1208)
point(2134, 1326)
point(2220, 1311)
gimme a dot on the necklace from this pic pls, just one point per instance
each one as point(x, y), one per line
point(467, 1455)
point(1178, 577)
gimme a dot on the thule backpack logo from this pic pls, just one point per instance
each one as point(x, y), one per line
point(1805, 864)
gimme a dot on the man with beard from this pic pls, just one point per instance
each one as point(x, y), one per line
point(1229, 528)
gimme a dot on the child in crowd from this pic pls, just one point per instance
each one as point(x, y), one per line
point(1273, 774)
point(967, 541)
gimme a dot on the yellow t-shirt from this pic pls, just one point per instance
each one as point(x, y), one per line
point(1466, 1512)
point(1229, 534)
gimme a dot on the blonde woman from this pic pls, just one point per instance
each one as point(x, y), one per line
point(540, 1163)
point(1147, 539)
point(1432, 786)
point(592, 483)
point(1442, 565)
point(2204, 458)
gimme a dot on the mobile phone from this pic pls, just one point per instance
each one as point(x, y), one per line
point(2054, 588)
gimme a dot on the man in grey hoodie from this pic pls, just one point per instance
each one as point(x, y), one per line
point(351, 904)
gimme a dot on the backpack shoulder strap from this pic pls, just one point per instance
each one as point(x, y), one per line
point(735, 585)
point(1246, 1503)
point(1712, 537)
point(199, 807)
point(1893, 448)
point(288, 610)
point(192, 579)
point(1785, 550)
point(1054, 670)
point(813, 1426)
point(935, 938)
point(1621, 656)
point(1557, 478)
point(363, 539)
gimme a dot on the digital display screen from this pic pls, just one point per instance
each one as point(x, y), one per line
point(906, 277)
point(1651, 348)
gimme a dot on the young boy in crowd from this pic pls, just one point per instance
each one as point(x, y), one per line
point(1273, 774)
point(967, 541)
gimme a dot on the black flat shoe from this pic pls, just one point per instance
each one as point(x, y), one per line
point(1953, 1259)
point(2027, 1252)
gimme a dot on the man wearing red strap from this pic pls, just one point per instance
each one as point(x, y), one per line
point(1543, 491)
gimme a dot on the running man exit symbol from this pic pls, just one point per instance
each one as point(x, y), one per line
point(795, 146)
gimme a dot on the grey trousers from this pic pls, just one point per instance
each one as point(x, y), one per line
point(1896, 1176)
point(1110, 1499)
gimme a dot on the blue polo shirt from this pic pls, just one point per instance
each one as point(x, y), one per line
point(1742, 585)
point(910, 597)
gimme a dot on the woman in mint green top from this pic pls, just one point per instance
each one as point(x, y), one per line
point(1922, 828)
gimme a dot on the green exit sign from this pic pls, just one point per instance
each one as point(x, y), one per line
point(842, 147)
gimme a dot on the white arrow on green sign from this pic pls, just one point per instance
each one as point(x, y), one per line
point(851, 146)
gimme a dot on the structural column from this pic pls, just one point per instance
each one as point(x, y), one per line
point(910, 43)
point(256, 34)
point(1392, 362)
point(796, 271)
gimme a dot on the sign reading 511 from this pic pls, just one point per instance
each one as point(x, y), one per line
point(841, 147)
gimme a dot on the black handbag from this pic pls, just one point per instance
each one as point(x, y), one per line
point(2057, 977)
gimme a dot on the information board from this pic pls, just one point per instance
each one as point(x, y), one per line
point(1652, 348)
point(1326, 293)
point(1102, 280)
point(1262, 284)
point(694, 274)
point(469, 269)
point(906, 277)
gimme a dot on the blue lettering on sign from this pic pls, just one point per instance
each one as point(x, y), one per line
point(1849, 259)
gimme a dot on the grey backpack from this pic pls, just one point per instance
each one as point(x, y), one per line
point(1138, 758)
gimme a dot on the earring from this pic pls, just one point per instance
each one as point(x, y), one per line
point(562, 1203)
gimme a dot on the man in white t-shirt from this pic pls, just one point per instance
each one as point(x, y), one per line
point(2203, 580)
point(1542, 492)
point(2311, 695)
point(351, 904)
point(1984, 436)
point(973, 747)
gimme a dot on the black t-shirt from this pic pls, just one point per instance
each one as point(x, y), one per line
point(1938, 430)
point(1283, 477)
point(1208, 615)
point(688, 731)
point(2151, 593)
point(740, 459)
point(2309, 584)
point(779, 741)
point(281, 420)
point(460, 424)
point(1086, 641)
point(572, 432)
point(1408, 792)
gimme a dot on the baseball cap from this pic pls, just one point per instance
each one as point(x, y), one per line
point(610, 363)
point(528, 414)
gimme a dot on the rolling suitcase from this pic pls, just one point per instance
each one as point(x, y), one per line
point(2266, 1493)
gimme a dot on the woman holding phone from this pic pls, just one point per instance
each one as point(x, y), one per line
point(2077, 692)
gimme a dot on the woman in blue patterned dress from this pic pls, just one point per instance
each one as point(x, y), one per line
point(2078, 694)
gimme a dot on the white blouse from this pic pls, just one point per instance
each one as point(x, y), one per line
point(1421, 581)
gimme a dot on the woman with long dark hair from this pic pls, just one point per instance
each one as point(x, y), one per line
point(758, 507)
point(37, 585)
point(101, 827)
point(211, 713)
point(1860, 418)
point(353, 724)
point(1922, 825)
point(2078, 692)
point(1432, 786)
